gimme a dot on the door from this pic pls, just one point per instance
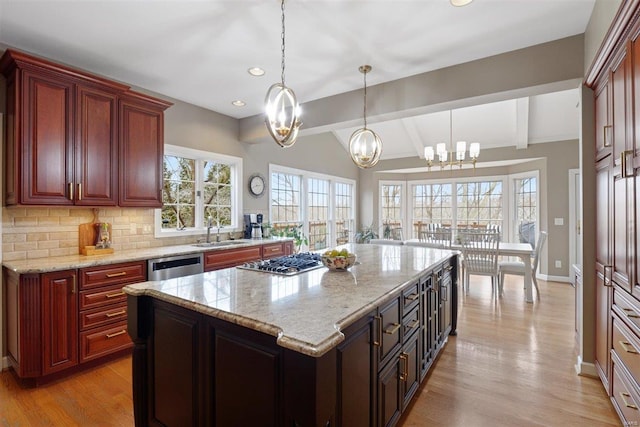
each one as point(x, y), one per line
point(59, 321)
point(96, 173)
point(47, 140)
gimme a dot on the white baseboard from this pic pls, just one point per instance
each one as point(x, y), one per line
point(548, 278)
point(4, 364)
point(586, 369)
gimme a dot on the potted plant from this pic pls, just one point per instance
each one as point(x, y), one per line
point(299, 238)
point(266, 230)
point(365, 234)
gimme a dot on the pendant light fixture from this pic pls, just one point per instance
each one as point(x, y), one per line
point(461, 148)
point(365, 146)
point(282, 112)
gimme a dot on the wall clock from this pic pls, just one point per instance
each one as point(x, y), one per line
point(256, 185)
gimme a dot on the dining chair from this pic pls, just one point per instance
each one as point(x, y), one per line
point(434, 238)
point(386, 242)
point(517, 267)
point(480, 256)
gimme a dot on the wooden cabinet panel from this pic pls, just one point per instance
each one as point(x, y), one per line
point(98, 298)
point(59, 321)
point(621, 110)
point(141, 151)
point(102, 316)
point(622, 206)
point(604, 193)
point(626, 346)
point(390, 334)
point(390, 393)
point(603, 127)
point(357, 368)
point(410, 297)
point(96, 173)
point(624, 395)
point(215, 260)
point(47, 139)
point(603, 330)
point(273, 250)
point(412, 367)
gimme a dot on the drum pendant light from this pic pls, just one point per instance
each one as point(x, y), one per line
point(282, 112)
point(365, 146)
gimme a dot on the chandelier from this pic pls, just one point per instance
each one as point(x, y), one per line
point(281, 106)
point(447, 159)
point(365, 146)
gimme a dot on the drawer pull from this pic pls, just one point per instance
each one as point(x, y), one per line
point(392, 329)
point(122, 273)
point(624, 396)
point(606, 141)
point(404, 373)
point(411, 297)
point(116, 295)
point(449, 267)
point(625, 346)
point(630, 313)
point(414, 324)
point(117, 313)
point(115, 334)
point(378, 327)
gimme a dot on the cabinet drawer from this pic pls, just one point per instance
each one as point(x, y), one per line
point(627, 308)
point(410, 297)
point(411, 323)
point(273, 250)
point(112, 275)
point(390, 325)
point(214, 260)
point(100, 342)
point(103, 316)
point(627, 346)
point(625, 396)
point(108, 296)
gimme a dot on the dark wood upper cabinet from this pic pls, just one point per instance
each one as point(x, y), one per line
point(603, 124)
point(73, 138)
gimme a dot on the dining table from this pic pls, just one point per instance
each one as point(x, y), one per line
point(524, 251)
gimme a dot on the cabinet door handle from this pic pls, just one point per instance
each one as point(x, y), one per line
point(624, 396)
point(404, 372)
point(73, 284)
point(413, 324)
point(116, 295)
point(115, 334)
point(378, 330)
point(411, 297)
point(117, 313)
point(607, 282)
point(628, 347)
point(122, 273)
point(605, 139)
point(630, 313)
point(392, 329)
point(79, 191)
point(623, 164)
point(443, 293)
point(70, 190)
point(449, 267)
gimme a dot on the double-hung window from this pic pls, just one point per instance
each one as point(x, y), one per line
point(199, 189)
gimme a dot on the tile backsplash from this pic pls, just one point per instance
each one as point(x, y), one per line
point(40, 232)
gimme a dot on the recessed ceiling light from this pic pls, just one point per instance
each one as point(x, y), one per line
point(459, 3)
point(256, 71)
point(239, 103)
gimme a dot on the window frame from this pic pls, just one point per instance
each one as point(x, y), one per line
point(199, 156)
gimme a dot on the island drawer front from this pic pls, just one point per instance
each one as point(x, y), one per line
point(273, 250)
point(114, 274)
point(390, 325)
point(627, 346)
point(410, 297)
point(103, 316)
point(624, 396)
point(214, 260)
point(94, 299)
point(411, 323)
point(102, 341)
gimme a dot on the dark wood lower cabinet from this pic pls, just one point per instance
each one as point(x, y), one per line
point(193, 369)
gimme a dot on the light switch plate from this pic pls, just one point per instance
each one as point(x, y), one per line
point(558, 221)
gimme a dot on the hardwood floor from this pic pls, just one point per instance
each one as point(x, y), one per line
point(511, 364)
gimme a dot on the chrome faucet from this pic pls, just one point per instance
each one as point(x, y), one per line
point(209, 225)
point(218, 235)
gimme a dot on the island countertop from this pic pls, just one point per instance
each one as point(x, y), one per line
point(306, 312)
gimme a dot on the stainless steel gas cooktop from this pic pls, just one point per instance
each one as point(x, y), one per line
point(286, 265)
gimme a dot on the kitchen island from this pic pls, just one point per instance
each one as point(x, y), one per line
point(321, 348)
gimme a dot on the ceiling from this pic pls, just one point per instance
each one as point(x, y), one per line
point(199, 52)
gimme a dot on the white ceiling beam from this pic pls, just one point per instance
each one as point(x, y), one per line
point(522, 123)
point(414, 136)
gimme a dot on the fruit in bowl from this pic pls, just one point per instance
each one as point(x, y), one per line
point(338, 259)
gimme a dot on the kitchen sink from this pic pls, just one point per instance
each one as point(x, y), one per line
point(217, 244)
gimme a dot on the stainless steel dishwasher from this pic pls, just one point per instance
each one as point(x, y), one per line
point(175, 266)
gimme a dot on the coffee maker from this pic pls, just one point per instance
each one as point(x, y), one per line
point(252, 221)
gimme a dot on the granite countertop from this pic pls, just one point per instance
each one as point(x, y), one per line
point(43, 265)
point(306, 312)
